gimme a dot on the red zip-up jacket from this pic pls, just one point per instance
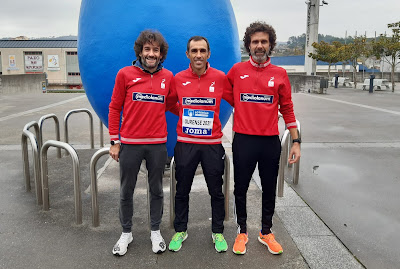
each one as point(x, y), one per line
point(199, 100)
point(259, 90)
point(142, 97)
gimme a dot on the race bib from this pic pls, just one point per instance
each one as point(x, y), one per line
point(197, 122)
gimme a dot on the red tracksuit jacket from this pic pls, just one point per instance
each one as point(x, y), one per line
point(143, 98)
point(258, 91)
point(199, 100)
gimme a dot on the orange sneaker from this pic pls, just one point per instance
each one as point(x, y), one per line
point(269, 240)
point(240, 243)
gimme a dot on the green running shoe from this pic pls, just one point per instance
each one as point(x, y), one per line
point(176, 241)
point(220, 242)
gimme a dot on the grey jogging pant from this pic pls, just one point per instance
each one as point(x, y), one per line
point(130, 159)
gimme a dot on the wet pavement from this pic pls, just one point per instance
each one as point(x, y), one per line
point(348, 187)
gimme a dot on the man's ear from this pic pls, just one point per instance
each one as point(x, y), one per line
point(209, 54)
point(187, 54)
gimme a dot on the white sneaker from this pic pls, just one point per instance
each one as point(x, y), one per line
point(157, 242)
point(121, 247)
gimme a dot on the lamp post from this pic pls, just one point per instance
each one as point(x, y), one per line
point(310, 65)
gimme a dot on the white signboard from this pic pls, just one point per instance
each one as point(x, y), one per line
point(33, 63)
point(52, 62)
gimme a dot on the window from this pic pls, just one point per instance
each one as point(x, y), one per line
point(72, 53)
point(74, 73)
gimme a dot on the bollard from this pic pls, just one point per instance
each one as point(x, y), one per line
point(371, 83)
point(336, 80)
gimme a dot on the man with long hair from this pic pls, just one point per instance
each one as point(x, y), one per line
point(260, 90)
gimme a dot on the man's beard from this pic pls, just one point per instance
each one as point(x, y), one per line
point(149, 66)
point(259, 58)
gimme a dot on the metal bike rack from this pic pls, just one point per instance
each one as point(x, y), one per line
point(296, 166)
point(91, 124)
point(93, 188)
point(75, 169)
point(93, 184)
point(225, 190)
point(283, 160)
point(57, 129)
point(101, 134)
point(26, 134)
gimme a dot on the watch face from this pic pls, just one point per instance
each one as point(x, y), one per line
point(112, 143)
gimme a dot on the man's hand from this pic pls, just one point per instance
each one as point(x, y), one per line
point(114, 151)
point(294, 152)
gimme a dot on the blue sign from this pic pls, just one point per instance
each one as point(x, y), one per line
point(256, 98)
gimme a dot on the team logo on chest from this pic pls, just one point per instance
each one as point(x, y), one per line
point(163, 83)
point(271, 82)
point(211, 89)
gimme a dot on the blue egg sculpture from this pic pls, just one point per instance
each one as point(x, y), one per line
point(108, 30)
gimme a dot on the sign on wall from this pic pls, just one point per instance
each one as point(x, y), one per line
point(12, 63)
point(33, 63)
point(52, 63)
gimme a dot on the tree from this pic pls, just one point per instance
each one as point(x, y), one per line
point(329, 53)
point(388, 48)
point(354, 51)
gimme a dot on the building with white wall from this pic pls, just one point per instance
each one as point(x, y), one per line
point(57, 58)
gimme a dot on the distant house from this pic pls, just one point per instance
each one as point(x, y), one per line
point(57, 58)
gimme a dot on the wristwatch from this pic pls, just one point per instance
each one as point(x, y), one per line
point(298, 140)
point(113, 142)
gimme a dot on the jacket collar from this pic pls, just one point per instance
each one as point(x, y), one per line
point(255, 64)
point(138, 64)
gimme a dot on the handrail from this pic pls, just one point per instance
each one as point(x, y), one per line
point(93, 184)
point(57, 129)
point(91, 124)
point(25, 159)
point(75, 169)
point(226, 179)
point(282, 162)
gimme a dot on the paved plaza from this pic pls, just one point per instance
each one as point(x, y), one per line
point(343, 213)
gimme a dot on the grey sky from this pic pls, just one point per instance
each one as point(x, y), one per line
point(42, 18)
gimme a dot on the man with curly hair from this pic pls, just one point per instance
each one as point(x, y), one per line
point(140, 92)
point(260, 90)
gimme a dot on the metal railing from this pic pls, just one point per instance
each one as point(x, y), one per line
point(91, 124)
point(225, 189)
point(57, 130)
point(93, 184)
point(26, 134)
point(75, 169)
point(283, 160)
